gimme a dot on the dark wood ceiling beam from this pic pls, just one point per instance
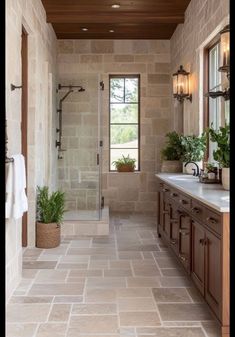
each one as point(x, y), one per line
point(111, 18)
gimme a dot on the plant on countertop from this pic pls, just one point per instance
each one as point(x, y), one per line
point(173, 149)
point(125, 163)
point(193, 147)
point(222, 138)
point(50, 208)
point(211, 167)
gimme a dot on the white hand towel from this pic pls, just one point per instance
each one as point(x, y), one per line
point(9, 190)
point(20, 202)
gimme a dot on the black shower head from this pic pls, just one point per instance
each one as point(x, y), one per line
point(81, 89)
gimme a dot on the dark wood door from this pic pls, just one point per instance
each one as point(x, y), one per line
point(185, 239)
point(24, 113)
point(213, 272)
point(174, 229)
point(198, 255)
point(166, 220)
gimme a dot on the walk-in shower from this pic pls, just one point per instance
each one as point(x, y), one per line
point(79, 169)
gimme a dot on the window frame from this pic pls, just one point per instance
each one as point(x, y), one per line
point(137, 169)
point(206, 108)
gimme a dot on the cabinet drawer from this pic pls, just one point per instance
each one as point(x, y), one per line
point(185, 201)
point(197, 210)
point(213, 220)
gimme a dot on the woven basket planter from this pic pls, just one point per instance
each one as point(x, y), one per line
point(171, 166)
point(47, 235)
point(125, 168)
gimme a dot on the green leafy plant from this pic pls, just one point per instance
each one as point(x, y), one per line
point(50, 208)
point(127, 161)
point(211, 167)
point(222, 138)
point(173, 149)
point(193, 147)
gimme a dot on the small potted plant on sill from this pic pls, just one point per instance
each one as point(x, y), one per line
point(50, 211)
point(222, 153)
point(211, 170)
point(125, 164)
point(193, 151)
point(171, 154)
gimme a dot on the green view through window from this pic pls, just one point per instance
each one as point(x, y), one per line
point(124, 117)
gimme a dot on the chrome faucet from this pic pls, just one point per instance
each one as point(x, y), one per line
point(197, 167)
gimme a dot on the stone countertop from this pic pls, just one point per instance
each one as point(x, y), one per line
point(212, 195)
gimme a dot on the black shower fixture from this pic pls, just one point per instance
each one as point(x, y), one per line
point(70, 87)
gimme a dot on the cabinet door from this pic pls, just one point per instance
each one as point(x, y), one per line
point(198, 256)
point(213, 273)
point(166, 220)
point(185, 239)
point(174, 228)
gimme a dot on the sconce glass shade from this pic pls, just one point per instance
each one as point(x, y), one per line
point(181, 85)
point(225, 50)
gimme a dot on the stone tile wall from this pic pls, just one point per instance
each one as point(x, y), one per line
point(202, 18)
point(41, 115)
point(151, 59)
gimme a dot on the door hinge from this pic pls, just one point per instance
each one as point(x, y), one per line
point(102, 202)
point(101, 142)
point(97, 158)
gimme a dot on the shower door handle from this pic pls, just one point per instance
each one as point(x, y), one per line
point(97, 158)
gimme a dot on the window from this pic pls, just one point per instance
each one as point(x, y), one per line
point(216, 109)
point(124, 118)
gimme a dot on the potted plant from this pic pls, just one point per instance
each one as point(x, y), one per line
point(171, 154)
point(50, 211)
point(222, 153)
point(211, 170)
point(193, 151)
point(125, 164)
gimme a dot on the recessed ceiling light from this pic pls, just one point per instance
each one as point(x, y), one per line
point(111, 31)
point(115, 6)
point(84, 29)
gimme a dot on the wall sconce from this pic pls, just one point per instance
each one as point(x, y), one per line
point(181, 85)
point(225, 50)
point(224, 63)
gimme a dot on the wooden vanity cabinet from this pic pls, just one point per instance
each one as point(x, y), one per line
point(199, 236)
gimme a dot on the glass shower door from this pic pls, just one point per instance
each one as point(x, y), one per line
point(79, 168)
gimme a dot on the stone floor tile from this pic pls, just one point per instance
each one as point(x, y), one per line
point(56, 289)
point(184, 312)
point(172, 272)
point(171, 295)
point(29, 273)
point(120, 264)
point(27, 313)
point(39, 264)
point(72, 266)
point(195, 295)
point(68, 299)
point(167, 262)
point(134, 292)
point(136, 304)
point(136, 282)
point(107, 282)
point(177, 281)
point(86, 273)
point(148, 270)
point(100, 295)
point(99, 264)
point(147, 318)
point(170, 332)
point(94, 324)
point(94, 309)
point(212, 329)
point(52, 329)
point(60, 312)
point(32, 252)
point(51, 276)
point(74, 258)
point(129, 255)
point(20, 330)
point(31, 299)
point(117, 272)
point(81, 243)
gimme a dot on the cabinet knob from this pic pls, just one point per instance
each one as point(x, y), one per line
point(211, 220)
point(195, 210)
point(173, 242)
point(182, 232)
point(184, 202)
point(182, 258)
point(165, 190)
point(174, 194)
point(202, 242)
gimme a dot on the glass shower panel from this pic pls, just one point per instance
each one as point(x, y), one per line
point(79, 169)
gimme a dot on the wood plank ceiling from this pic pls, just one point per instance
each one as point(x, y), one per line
point(132, 19)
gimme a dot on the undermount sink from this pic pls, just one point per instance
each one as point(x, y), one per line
point(186, 178)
